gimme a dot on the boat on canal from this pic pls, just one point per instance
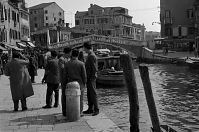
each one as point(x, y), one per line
point(193, 63)
point(110, 72)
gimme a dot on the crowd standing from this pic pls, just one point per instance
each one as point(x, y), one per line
point(60, 69)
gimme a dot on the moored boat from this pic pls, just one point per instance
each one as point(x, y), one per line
point(193, 63)
point(110, 72)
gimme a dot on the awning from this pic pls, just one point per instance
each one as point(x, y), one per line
point(21, 44)
point(30, 44)
point(2, 48)
point(12, 47)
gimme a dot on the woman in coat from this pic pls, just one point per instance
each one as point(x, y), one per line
point(20, 83)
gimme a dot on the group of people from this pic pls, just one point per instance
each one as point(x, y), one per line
point(58, 71)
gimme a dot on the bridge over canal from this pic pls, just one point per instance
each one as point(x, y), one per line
point(133, 47)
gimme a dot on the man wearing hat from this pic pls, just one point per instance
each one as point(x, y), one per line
point(91, 71)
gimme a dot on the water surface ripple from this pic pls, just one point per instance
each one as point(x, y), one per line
point(176, 94)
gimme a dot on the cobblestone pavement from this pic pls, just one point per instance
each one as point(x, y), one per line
point(36, 119)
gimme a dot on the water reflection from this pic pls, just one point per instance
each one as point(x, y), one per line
point(176, 93)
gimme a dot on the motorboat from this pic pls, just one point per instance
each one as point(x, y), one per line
point(109, 71)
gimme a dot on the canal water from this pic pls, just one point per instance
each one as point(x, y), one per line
point(176, 93)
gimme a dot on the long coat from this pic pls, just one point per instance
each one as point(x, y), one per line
point(74, 70)
point(20, 83)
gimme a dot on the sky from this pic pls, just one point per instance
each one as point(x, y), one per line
point(143, 11)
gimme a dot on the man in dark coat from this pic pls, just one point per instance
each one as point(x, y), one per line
point(62, 60)
point(32, 67)
point(20, 84)
point(53, 80)
point(91, 71)
point(74, 70)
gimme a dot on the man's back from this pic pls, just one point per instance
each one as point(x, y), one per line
point(52, 69)
point(75, 71)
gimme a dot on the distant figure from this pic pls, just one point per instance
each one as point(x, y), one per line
point(53, 80)
point(20, 83)
point(62, 60)
point(74, 70)
point(91, 71)
point(32, 67)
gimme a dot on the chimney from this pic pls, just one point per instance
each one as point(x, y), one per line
point(91, 5)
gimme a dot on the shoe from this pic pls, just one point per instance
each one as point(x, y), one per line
point(55, 106)
point(46, 107)
point(24, 109)
point(95, 113)
point(88, 112)
point(15, 110)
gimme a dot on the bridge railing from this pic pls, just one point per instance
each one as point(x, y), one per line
point(96, 38)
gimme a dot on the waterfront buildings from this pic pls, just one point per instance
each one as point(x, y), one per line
point(177, 22)
point(108, 21)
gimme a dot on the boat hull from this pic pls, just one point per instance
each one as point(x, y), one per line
point(193, 64)
point(111, 80)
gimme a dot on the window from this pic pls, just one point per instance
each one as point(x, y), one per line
point(167, 13)
point(46, 24)
point(46, 11)
point(30, 12)
point(35, 18)
point(46, 18)
point(76, 22)
point(54, 18)
point(86, 21)
point(59, 13)
point(36, 25)
point(190, 13)
point(35, 12)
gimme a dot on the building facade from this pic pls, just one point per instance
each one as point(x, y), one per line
point(9, 23)
point(109, 21)
point(45, 15)
point(177, 22)
point(24, 21)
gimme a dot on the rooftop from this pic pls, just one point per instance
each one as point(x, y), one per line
point(40, 6)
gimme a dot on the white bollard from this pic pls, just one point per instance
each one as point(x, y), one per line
point(73, 101)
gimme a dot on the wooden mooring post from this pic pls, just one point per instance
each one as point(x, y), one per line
point(128, 70)
point(144, 73)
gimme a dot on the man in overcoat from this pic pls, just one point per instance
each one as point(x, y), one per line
point(20, 83)
point(53, 80)
point(74, 70)
point(91, 71)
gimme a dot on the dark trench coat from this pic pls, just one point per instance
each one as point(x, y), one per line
point(20, 83)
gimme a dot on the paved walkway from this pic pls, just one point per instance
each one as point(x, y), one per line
point(36, 119)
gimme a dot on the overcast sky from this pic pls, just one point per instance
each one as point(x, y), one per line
point(143, 11)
